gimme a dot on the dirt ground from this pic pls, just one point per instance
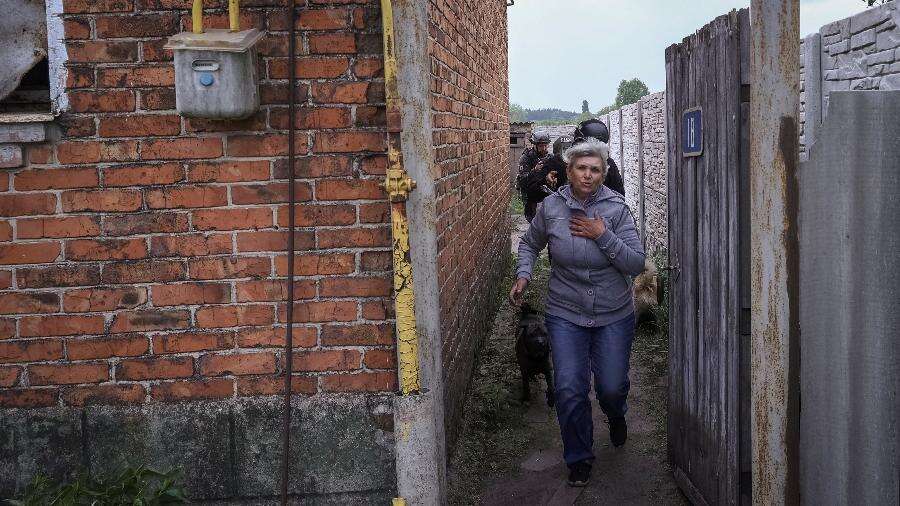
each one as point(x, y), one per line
point(510, 452)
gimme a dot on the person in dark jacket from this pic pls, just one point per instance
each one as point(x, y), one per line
point(555, 168)
point(590, 317)
point(531, 179)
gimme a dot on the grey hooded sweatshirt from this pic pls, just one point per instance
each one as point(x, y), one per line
point(590, 280)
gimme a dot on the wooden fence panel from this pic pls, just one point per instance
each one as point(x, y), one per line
point(705, 248)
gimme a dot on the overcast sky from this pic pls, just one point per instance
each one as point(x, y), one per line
point(564, 51)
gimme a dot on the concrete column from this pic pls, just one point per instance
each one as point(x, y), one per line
point(774, 250)
point(421, 463)
point(812, 63)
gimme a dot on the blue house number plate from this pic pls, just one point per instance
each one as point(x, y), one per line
point(692, 132)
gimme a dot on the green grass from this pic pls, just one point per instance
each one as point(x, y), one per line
point(515, 204)
point(139, 486)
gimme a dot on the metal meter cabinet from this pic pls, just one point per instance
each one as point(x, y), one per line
point(216, 75)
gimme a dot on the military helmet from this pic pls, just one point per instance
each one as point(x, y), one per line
point(591, 128)
point(540, 138)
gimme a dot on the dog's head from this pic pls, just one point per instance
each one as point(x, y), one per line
point(534, 333)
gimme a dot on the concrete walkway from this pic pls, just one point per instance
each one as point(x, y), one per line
point(633, 474)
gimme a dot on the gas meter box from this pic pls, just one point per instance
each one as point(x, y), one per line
point(216, 74)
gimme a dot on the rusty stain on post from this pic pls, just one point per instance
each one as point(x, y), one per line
point(398, 185)
point(774, 159)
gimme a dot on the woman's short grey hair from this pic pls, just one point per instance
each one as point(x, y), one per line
point(588, 147)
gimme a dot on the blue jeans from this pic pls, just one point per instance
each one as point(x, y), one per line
point(577, 353)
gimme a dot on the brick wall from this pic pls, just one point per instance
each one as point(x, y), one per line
point(471, 142)
point(142, 253)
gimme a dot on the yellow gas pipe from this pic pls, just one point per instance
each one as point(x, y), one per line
point(398, 184)
point(234, 21)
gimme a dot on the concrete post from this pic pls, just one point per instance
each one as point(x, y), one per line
point(812, 84)
point(422, 455)
point(774, 254)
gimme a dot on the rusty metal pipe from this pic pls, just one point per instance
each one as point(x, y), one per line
point(774, 251)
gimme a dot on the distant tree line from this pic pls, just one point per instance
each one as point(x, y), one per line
point(629, 92)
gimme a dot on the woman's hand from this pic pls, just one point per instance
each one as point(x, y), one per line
point(516, 292)
point(551, 178)
point(582, 226)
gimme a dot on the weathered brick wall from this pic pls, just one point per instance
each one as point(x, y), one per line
point(861, 52)
point(471, 142)
point(142, 255)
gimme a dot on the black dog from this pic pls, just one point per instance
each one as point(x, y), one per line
point(533, 351)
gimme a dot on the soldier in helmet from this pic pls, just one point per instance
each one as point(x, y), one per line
point(554, 168)
point(531, 180)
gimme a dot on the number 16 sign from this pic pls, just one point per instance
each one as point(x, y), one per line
point(692, 132)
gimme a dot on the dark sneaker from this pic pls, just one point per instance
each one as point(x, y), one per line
point(618, 431)
point(579, 474)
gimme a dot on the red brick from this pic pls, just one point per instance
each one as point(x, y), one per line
point(28, 397)
point(31, 351)
point(103, 299)
point(354, 238)
point(248, 19)
point(309, 118)
point(322, 19)
point(316, 166)
point(67, 374)
point(367, 68)
point(150, 319)
point(233, 219)
point(332, 43)
point(9, 376)
point(60, 325)
point(192, 341)
point(155, 368)
point(238, 364)
point(155, 51)
point(5, 231)
point(268, 385)
point(94, 6)
point(380, 359)
point(355, 287)
point(80, 77)
point(28, 302)
point(182, 148)
point(187, 197)
point(75, 226)
point(340, 93)
point(104, 395)
point(160, 99)
point(310, 68)
point(277, 93)
point(317, 265)
point(148, 25)
point(326, 360)
point(143, 271)
point(270, 290)
point(375, 213)
point(264, 145)
point(57, 276)
point(377, 310)
point(7, 328)
point(5, 279)
point(40, 154)
point(101, 200)
point(92, 151)
point(77, 28)
point(229, 172)
point(25, 205)
point(358, 335)
point(137, 77)
point(220, 388)
point(270, 193)
point(106, 249)
point(143, 174)
point(43, 179)
point(230, 267)
point(122, 346)
point(234, 316)
point(349, 189)
point(190, 294)
point(101, 101)
point(141, 125)
point(349, 142)
point(190, 245)
point(376, 261)
point(274, 241)
point(28, 253)
point(375, 165)
point(382, 381)
point(102, 52)
point(274, 337)
point(320, 311)
point(145, 223)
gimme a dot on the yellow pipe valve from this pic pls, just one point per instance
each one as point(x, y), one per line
point(398, 184)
